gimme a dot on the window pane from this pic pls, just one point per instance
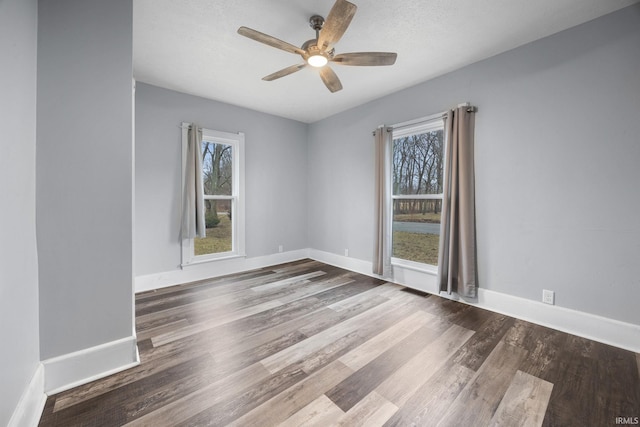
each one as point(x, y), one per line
point(416, 230)
point(217, 168)
point(218, 219)
point(417, 163)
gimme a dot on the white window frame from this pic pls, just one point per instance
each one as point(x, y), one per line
point(236, 141)
point(417, 126)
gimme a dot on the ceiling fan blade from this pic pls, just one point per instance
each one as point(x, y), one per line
point(284, 72)
point(269, 40)
point(336, 23)
point(366, 58)
point(330, 79)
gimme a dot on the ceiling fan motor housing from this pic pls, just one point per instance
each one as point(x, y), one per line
point(311, 48)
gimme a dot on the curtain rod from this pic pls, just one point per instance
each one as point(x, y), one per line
point(409, 123)
point(442, 114)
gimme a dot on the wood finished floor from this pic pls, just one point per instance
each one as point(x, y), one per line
point(305, 343)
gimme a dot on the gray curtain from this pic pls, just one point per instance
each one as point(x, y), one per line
point(193, 224)
point(457, 270)
point(381, 247)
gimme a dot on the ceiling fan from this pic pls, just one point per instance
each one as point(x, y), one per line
point(319, 52)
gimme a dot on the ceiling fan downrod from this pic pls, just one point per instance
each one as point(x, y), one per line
point(316, 22)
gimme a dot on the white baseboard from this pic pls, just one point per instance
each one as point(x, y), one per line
point(80, 367)
point(348, 263)
point(597, 328)
point(31, 404)
point(609, 331)
point(214, 269)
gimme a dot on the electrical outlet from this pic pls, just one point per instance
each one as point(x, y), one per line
point(280, 248)
point(548, 297)
point(346, 252)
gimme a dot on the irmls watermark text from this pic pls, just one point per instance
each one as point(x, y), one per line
point(629, 421)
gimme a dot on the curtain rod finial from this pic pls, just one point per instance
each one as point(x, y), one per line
point(470, 108)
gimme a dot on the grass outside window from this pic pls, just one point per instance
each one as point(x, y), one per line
point(219, 238)
point(416, 247)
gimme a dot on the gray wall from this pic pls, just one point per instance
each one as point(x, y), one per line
point(19, 356)
point(84, 173)
point(275, 175)
point(557, 166)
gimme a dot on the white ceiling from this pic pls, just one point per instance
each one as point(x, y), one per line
point(192, 45)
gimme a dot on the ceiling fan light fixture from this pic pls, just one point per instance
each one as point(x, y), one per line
point(317, 60)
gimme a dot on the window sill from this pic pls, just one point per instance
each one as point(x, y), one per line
point(415, 266)
point(210, 260)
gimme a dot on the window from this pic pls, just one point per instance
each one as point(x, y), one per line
point(223, 188)
point(416, 200)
